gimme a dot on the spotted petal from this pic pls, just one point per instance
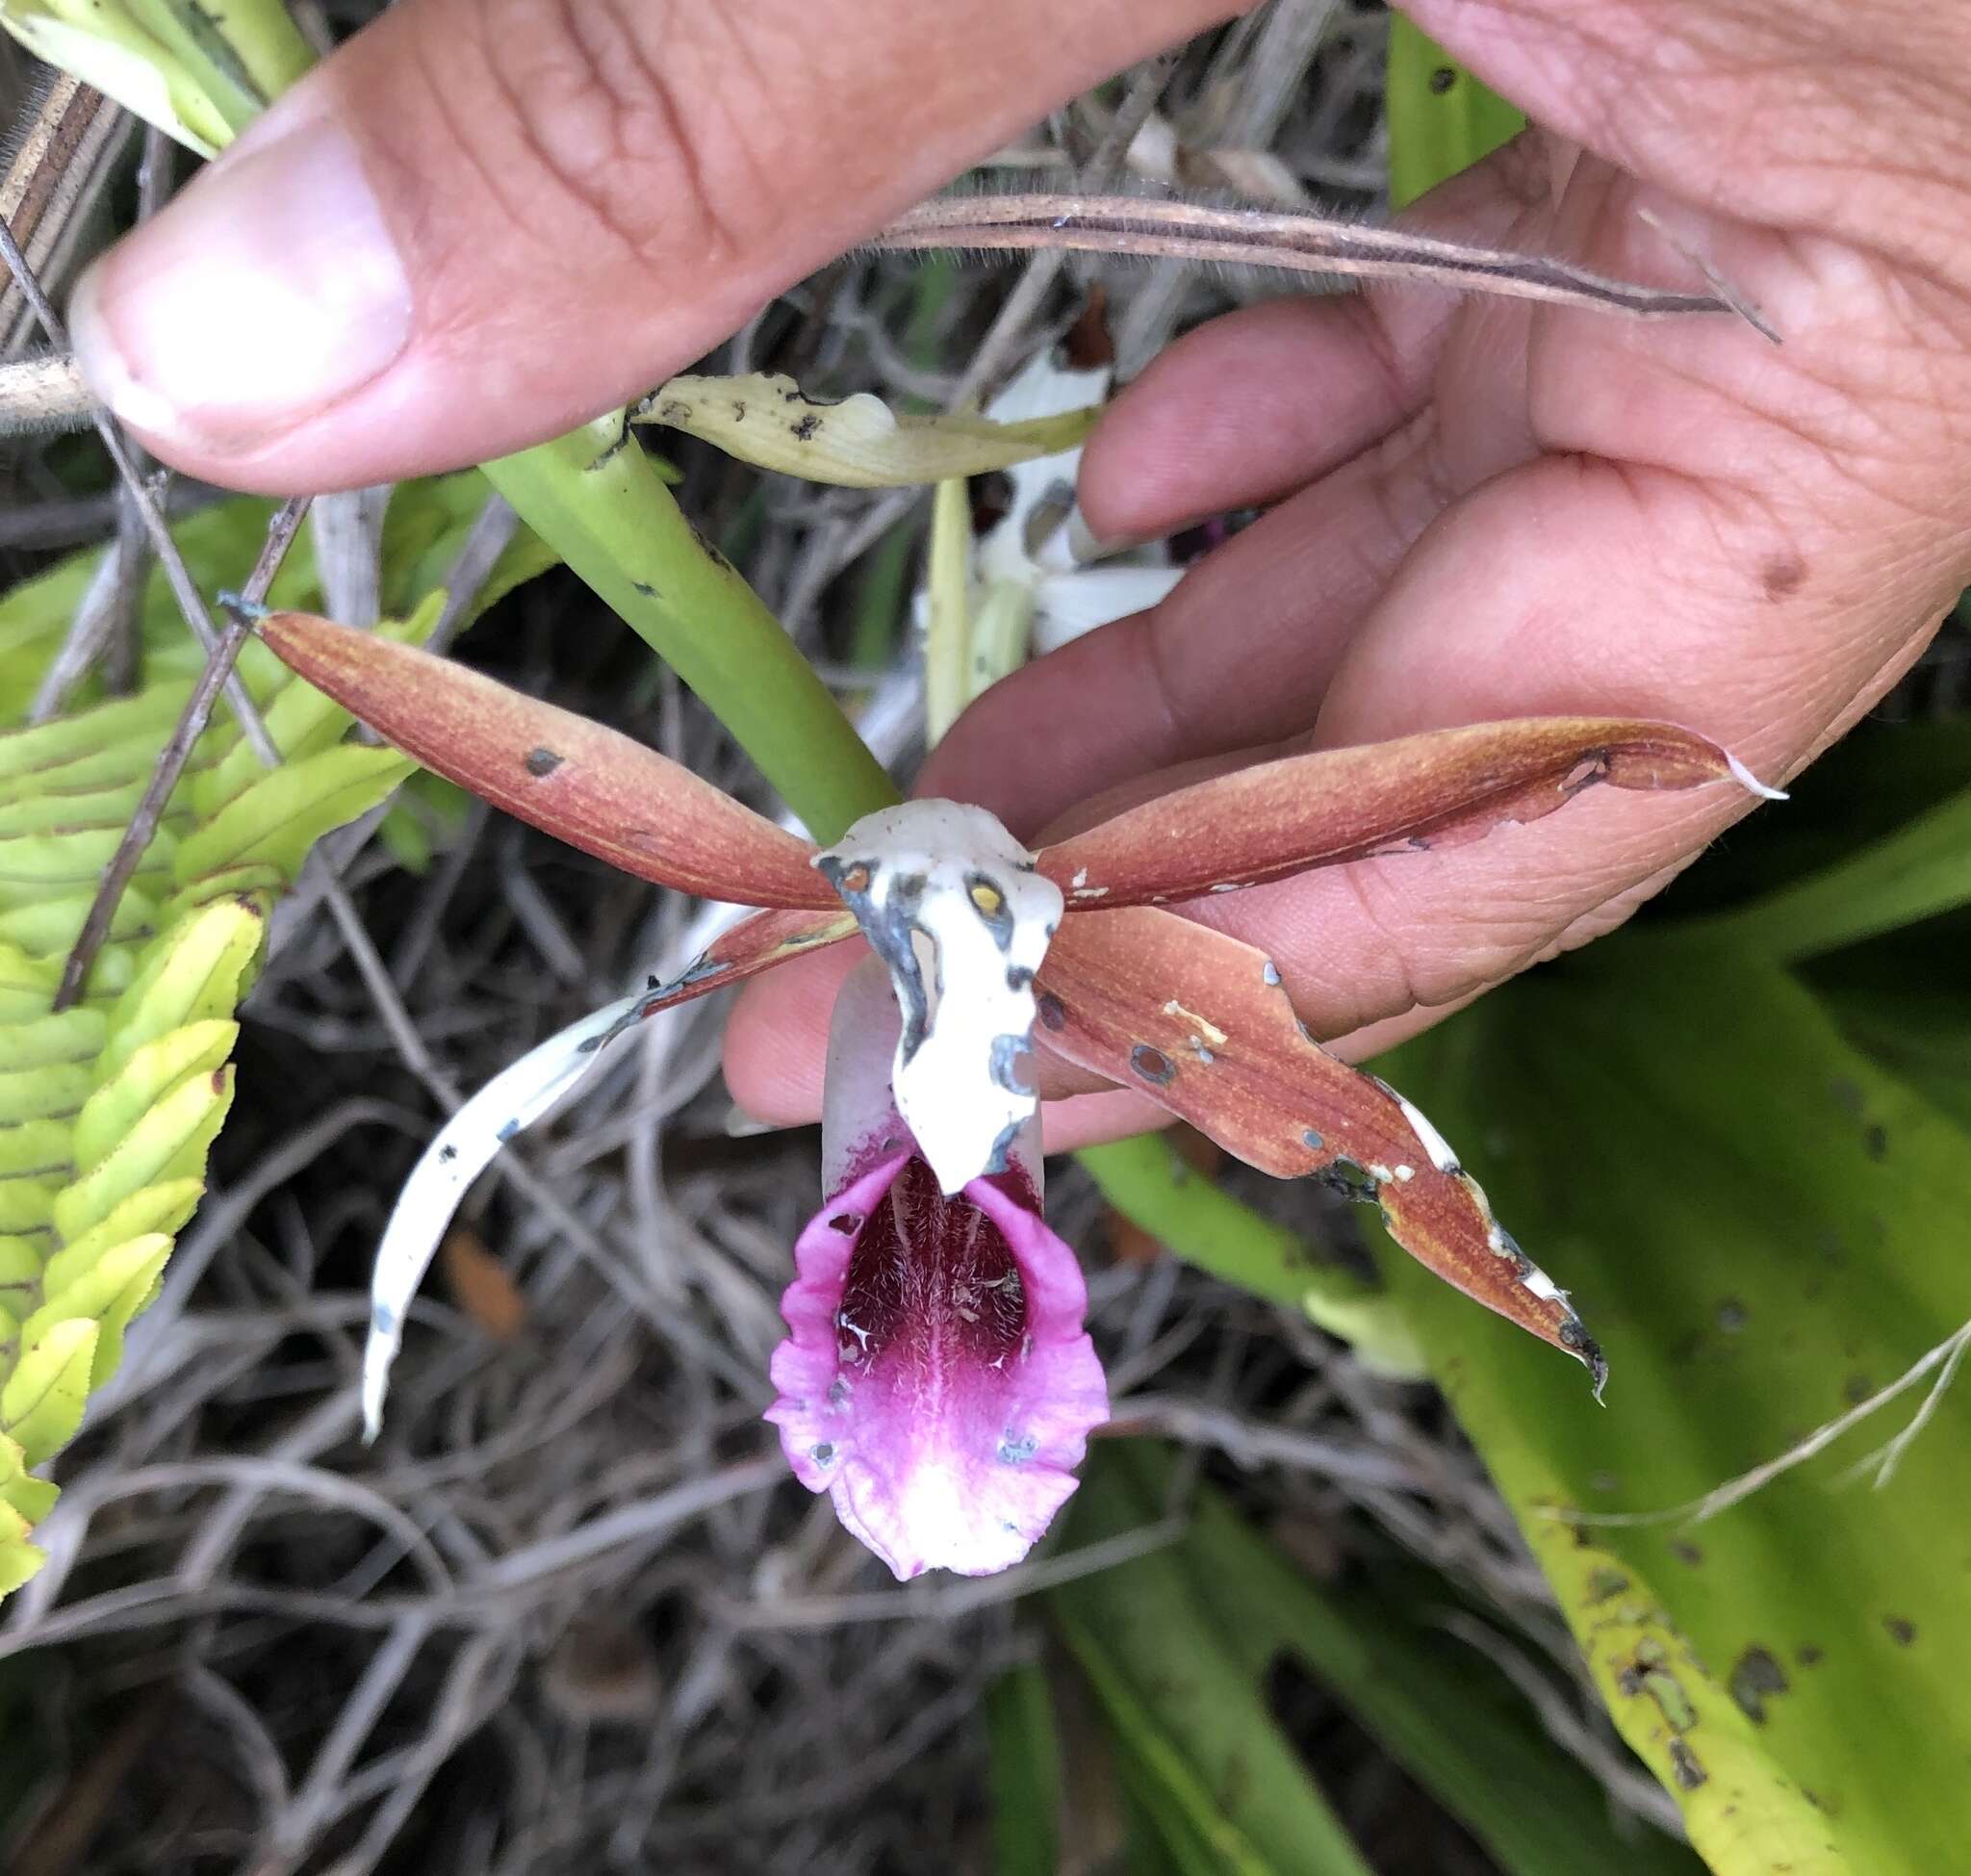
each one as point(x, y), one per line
point(937, 1381)
point(1438, 790)
point(584, 784)
point(1200, 1022)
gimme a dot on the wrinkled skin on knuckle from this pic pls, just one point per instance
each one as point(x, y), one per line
point(1815, 114)
point(614, 130)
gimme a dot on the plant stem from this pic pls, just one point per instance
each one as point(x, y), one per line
point(595, 499)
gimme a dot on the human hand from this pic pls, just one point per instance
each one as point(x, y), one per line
point(483, 222)
point(1491, 510)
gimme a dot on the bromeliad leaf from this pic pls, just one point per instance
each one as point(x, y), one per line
point(1200, 1022)
point(586, 784)
point(859, 442)
point(1438, 789)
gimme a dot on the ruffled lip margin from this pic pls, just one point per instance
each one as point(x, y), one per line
point(935, 1456)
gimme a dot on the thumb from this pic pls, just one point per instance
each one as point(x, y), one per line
point(483, 222)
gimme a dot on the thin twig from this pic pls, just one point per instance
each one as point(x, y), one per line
point(1268, 238)
point(492, 530)
point(1947, 1354)
point(1018, 309)
point(175, 754)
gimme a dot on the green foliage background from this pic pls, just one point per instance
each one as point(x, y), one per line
point(107, 1109)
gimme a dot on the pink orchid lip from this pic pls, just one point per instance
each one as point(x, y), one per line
point(936, 1381)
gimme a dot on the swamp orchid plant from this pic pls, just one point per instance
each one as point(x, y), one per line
point(937, 1379)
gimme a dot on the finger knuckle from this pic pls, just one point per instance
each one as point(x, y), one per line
point(611, 103)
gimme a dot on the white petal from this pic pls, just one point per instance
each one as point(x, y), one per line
point(1071, 604)
point(950, 903)
point(516, 1097)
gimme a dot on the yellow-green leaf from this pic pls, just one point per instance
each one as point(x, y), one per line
point(767, 420)
point(40, 1405)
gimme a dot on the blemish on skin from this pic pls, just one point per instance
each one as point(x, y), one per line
point(1782, 575)
point(540, 762)
point(1900, 1629)
point(1755, 1676)
point(1206, 1029)
point(1153, 1064)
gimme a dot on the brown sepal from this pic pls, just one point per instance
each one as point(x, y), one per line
point(1438, 790)
point(584, 784)
point(1200, 1024)
point(755, 944)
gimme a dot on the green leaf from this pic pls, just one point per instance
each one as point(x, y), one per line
point(1901, 1000)
point(109, 1293)
point(598, 500)
point(765, 418)
point(1920, 870)
point(1763, 1226)
point(1221, 1781)
point(201, 73)
point(274, 822)
point(1026, 1772)
point(41, 1404)
point(1148, 1182)
point(195, 975)
point(1443, 1710)
point(1441, 119)
point(107, 1110)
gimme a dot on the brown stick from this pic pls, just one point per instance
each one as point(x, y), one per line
point(177, 750)
point(1298, 243)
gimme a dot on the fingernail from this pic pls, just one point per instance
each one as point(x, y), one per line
point(270, 289)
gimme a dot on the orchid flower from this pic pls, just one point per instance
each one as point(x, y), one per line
point(937, 1379)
